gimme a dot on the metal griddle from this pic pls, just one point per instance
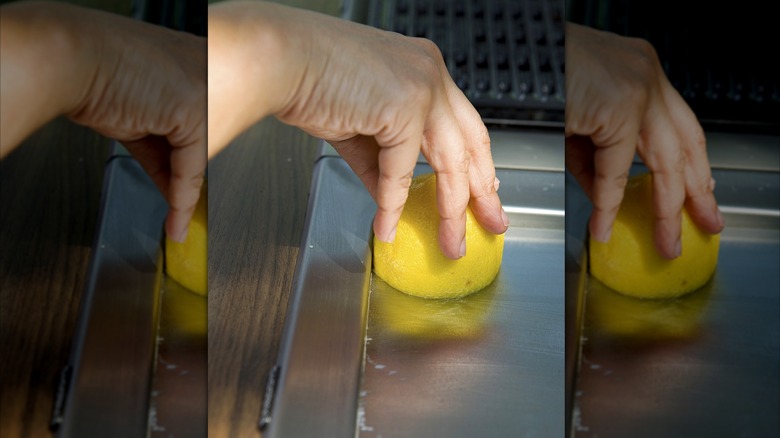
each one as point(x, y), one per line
point(360, 358)
point(138, 363)
point(490, 364)
point(705, 364)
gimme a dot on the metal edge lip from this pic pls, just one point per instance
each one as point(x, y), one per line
point(65, 393)
point(539, 149)
point(296, 407)
point(535, 211)
point(740, 151)
point(280, 371)
point(536, 149)
point(290, 396)
point(750, 211)
point(757, 152)
point(99, 354)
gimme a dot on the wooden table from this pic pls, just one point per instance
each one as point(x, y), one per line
point(258, 192)
point(49, 192)
point(258, 195)
point(49, 197)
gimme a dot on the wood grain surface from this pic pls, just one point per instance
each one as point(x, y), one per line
point(49, 192)
point(258, 193)
point(49, 195)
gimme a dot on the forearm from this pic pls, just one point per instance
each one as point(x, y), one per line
point(44, 67)
point(254, 66)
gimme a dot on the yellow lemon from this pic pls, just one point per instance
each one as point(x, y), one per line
point(629, 263)
point(183, 311)
point(414, 263)
point(186, 262)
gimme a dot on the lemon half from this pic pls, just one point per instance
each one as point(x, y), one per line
point(413, 263)
point(186, 262)
point(630, 264)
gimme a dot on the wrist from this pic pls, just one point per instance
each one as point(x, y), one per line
point(256, 63)
point(46, 65)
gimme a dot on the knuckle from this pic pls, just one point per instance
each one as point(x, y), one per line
point(387, 119)
point(415, 94)
point(610, 193)
point(457, 164)
point(483, 137)
point(645, 55)
point(488, 187)
point(430, 58)
point(403, 181)
point(429, 47)
point(700, 187)
point(698, 141)
point(612, 180)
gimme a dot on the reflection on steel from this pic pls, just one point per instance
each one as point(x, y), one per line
point(179, 389)
point(491, 363)
point(705, 364)
point(322, 346)
point(511, 209)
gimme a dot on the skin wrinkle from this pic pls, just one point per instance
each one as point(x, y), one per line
point(94, 68)
point(387, 137)
point(613, 198)
point(95, 92)
point(414, 108)
point(448, 209)
point(373, 172)
point(701, 188)
point(405, 181)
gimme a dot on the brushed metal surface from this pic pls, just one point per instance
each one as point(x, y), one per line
point(178, 395)
point(322, 346)
point(490, 364)
point(511, 366)
point(114, 346)
point(743, 152)
point(702, 365)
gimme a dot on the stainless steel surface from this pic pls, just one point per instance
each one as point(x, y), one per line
point(322, 346)
point(743, 152)
point(753, 152)
point(528, 149)
point(488, 365)
point(178, 396)
point(114, 347)
point(139, 361)
point(702, 365)
point(576, 273)
point(499, 372)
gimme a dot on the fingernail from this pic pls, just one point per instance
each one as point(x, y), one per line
point(678, 248)
point(719, 215)
point(504, 217)
point(181, 236)
point(463, 247)
point(712, 184)
point(496, 183)
point(603, 236)
point(391, 235)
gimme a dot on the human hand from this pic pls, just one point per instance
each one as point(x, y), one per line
point(378, 97)
point(618, 103)
point(140, 84)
